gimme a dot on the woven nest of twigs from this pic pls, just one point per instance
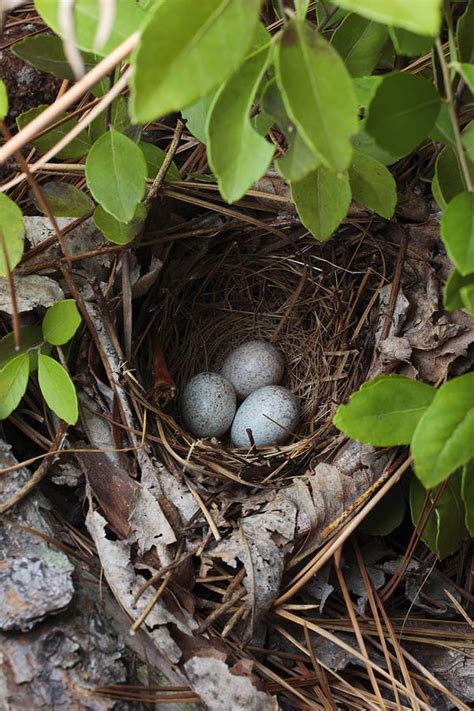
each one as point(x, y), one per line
point(305, 298)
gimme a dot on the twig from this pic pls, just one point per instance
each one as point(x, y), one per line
point(158, 181)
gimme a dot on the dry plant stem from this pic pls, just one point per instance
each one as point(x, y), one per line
point(75, 131)
point(158, 181)
point(395, 283)
point(70, 97)
point(454, 119)
point(327, 553)
point(38, 474)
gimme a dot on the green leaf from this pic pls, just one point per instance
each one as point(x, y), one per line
point(58, 389)
point(445, 529)
point(467, 495)
point(457, 232)
point(385, 411)
point(31, 339)
point(373, 185)
point(322, 200)
point(127, 19)
point(387, 515)
point(403, 112)
point(154, 158)
point(46, 52)
point(12, 229)
point(443, 131)
point(3, 100)
point(196, 116)
point(196, 47)
point(468, 140)
point(121, 121)
point(238, 155)
point(423, 17)
point(65, 200)
point(365, 88)
point(301, 7)
point(466, 71)
point(360, 43)
point(443, 439)
point(13, 381)
point(467, 296)
point(318, 93)
point(116, 174)
point(448, 174)
point(452, 299)
point(120, 232)
point(410, 44)
point(61, 322)
point(77, 148)
point(465, 33)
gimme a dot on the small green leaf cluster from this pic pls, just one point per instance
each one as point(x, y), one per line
point(439, 427)
point(59, 325)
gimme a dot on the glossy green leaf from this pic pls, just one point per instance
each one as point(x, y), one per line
point(423, 16)
point(466, 71)
point(127, 19)
point(446, 528)
point(468, 141)
point(467, 297)
point(465, 33)
point(57, 389)
point(213, 37)
point(467, 495)
point(116, 173)
point(410, 44)
point(387, 515)
point(322, 200)
point(448, 174)
point(360, 43)
point(12, 230)
point(385, 411)
point(443, 439)
point(154, 158)
point(443, 131)
point(457, 231)
point(120, 232)
point(13, 381)
point(373, 185)
point(318, 93)
point(238, 155)
point(452, 299)
point(3, 100)
point(46, 53)
point(403, 112)
point(31, 339)
point(77, 148)
point(61, 322)
point(65, 200)
point(298, 160)
point(196, 116)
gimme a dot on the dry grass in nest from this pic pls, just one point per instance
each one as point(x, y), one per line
point(304, 297)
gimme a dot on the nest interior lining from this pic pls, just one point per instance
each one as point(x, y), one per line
point(302, 298)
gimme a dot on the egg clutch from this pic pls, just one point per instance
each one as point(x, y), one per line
point(250, 375)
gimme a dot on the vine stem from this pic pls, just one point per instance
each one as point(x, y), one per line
point(454, 119)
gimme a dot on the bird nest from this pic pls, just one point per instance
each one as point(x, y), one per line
point(307, 299)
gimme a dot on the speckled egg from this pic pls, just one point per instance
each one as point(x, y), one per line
point(271, 413)
point(208, 405)
point(253, 365)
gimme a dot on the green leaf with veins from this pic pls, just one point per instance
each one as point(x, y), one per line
point(385, 411)
point(65, 200)
point(61, 322)
point(457, 231)
point(13, 381)
point(57, 389)
point(238, 154)
point(423, 16)
point(77, 148)
point(12, 231)
point(322, 200)
point(116, 174)
point(443, 439)
point(213, 37)
point(360, 43)
point(120, 232)
point(318, 93)
point(373, 185)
